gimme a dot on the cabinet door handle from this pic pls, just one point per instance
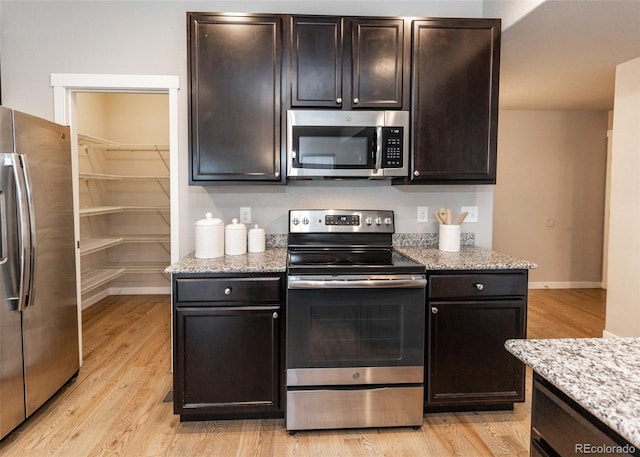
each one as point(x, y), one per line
point(275, 315)
point(479, 285)
point(339, 100)
point(228, 290)
point(434, 310)
point(416, 173)
point(356, 100)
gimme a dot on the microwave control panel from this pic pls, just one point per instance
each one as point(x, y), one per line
point(392, 146)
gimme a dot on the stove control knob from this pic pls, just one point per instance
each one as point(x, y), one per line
point(387, 221)
point(305, 221)
point(378, 220)
point(368, 221)
point(295, 221)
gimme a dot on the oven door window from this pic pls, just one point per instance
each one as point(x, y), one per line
point(334, 147)
point(355, 327)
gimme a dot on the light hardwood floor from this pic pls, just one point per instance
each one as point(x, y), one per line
point(120, 404)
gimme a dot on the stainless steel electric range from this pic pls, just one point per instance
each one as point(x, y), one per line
point(355, 323)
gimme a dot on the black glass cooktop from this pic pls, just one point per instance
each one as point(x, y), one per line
point(352, 260)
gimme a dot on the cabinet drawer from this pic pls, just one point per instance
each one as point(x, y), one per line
point(477, 285)
point(560, 426)
point(261, 289)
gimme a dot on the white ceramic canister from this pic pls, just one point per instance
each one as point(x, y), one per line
point(256, 239)
point(449, 238)
point(235, 238)
point(209, 237)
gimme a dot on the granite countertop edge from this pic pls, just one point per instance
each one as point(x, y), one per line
point(274, 259)
point(600, 374)
point(468, 258)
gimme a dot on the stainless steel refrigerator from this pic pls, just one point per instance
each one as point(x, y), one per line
point(38, 306)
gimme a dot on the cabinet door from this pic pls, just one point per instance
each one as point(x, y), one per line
point(347, 63)
point(227, 360)
point(235, 66)
point(377, 63)
point(467, 362)
point(455, 76)
point(316, 60)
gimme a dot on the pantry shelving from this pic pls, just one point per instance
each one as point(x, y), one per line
point(124, 216)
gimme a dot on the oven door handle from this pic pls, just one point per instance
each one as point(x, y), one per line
point(357, 282)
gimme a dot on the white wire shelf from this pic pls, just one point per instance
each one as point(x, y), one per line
point(107, 177)
point(94, 278)
point(99, 210)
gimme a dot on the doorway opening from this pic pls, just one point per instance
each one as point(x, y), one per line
point(122, 199)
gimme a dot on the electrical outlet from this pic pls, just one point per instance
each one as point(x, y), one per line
point(245, 215)
point(423, 214)
point(473, 213)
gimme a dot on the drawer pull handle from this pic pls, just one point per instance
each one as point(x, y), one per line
point(434, 310)
point(479, 285)
point(227, 291)
point(275, 315)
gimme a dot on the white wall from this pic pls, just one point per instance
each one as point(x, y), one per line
point(549, 200)
point(623, 288)
point(149, 37)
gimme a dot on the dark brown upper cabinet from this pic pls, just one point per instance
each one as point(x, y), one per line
point(454, 106)
point(235, 73)
point(349, 63)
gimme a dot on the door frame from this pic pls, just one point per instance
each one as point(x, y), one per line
point(65, 86)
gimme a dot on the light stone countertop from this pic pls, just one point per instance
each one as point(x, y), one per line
point(271, 260)
point(421, 247)
point(274, 259)
point(469, 258)
point(600, 374)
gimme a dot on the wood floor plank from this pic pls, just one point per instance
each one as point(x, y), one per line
point(117, 406)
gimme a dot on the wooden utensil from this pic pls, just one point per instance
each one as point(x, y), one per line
point(438, 217)
point(461, 217)
point(449, 216)
point(442, 213)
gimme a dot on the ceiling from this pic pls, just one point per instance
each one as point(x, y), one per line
point(562, 54)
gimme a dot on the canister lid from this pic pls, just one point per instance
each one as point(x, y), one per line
point(256, 230)
point(209, 220)
point(235, 225)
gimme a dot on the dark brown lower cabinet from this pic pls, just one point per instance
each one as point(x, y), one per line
point(469, 318)
point(227, 347)
point(561, 427)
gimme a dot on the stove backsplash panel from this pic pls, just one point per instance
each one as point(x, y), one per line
point(279, 240)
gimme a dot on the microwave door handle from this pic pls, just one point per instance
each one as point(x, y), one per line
point(378, 148)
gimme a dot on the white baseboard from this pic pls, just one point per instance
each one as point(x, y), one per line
point(606, 334)
point(87, 302)
point(94, 298)
point(159, 290)
point(565, 285)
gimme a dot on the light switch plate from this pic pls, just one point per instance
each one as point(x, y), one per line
point(245, 215)
point(473, 213)
point(423, 214)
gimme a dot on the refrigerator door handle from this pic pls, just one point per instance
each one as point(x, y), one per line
point(3, 228)
point(26, 238)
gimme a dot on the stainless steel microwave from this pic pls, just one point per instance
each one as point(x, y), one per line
point(347, 144)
